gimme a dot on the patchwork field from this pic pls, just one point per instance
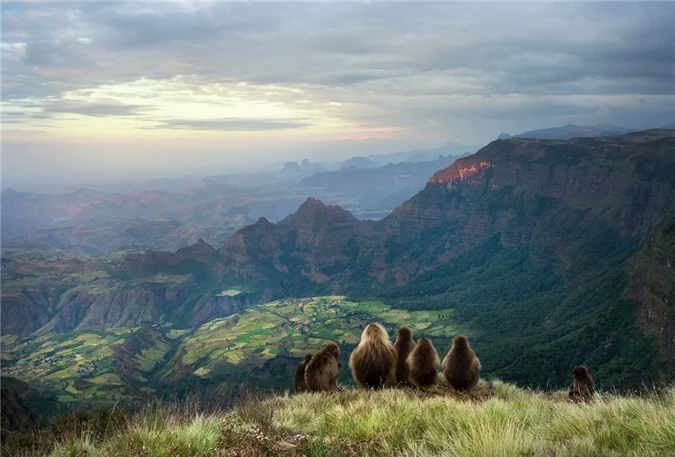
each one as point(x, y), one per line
point(78, 366)
point(294, 327)
point(120, 364)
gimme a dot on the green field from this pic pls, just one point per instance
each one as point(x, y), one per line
point(118, 364)
point(78, 366)
point(297, 326)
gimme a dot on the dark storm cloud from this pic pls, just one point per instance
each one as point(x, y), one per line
point(388, 56)
point(233, 124)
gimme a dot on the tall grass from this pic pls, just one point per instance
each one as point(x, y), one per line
point(501, 421)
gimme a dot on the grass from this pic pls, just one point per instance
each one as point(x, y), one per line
point(148, 358)
point(497, 420)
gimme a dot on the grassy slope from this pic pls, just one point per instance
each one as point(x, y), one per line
point(501, 421)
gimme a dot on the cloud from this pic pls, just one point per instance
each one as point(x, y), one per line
point(16, 117)
point(233, 124)
point(98, 110)
point(406, 66)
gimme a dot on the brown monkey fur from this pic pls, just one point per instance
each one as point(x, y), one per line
point(300, 384)
point(583, 385)
point(404, 345)
point(461, 367)
point(373, 362)
point(423, 364)
point(323, 369)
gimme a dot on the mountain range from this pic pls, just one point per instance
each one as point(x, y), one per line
point(94, 222)
point(538, 225)
point(547, 253)
point(570, 131)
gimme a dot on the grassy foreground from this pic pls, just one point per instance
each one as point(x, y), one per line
point(501, 420)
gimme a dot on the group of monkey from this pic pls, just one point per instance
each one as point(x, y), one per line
point(376, 363)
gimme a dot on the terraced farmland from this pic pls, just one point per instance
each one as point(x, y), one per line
point(97, 367)
point(293, 327)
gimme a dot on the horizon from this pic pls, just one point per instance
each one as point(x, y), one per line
point(142, 178)
point(143, 90)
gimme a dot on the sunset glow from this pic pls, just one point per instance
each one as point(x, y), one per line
point(294, 80)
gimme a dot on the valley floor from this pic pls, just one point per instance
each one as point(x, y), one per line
point(498, 420)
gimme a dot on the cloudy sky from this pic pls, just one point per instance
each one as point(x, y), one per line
point(158, 88)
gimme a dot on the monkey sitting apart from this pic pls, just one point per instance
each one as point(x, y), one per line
point(404, 345)
point(423, 364)
point(461, 367)
point(583, 386)
point(373, 362)
point(300, 384)
point(323, 369)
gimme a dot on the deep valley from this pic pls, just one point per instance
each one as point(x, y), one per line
point(548, 253)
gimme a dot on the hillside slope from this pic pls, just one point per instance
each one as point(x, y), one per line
point(499, 421)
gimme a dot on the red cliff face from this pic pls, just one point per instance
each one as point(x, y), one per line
point(462, 169)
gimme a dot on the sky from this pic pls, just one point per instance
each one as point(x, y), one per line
point(101, 90)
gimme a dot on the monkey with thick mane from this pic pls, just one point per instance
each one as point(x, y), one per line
point(323, 369)
point(404, 345)
point(300, 384)
point(461, 367)
point(583, 385)
point(423, 364)
point(373, 362)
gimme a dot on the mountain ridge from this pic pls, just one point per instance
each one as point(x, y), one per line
point(570, 131)
point(530, 243)
point(554, 174)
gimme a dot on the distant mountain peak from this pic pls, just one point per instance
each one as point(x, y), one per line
point(316, 213)
point(312, 202)
point(86, 191)
point(200, 247)
point(261, 224)
point(11, 194)
point(570, 131)
point(262, 221)
point(313, 205)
